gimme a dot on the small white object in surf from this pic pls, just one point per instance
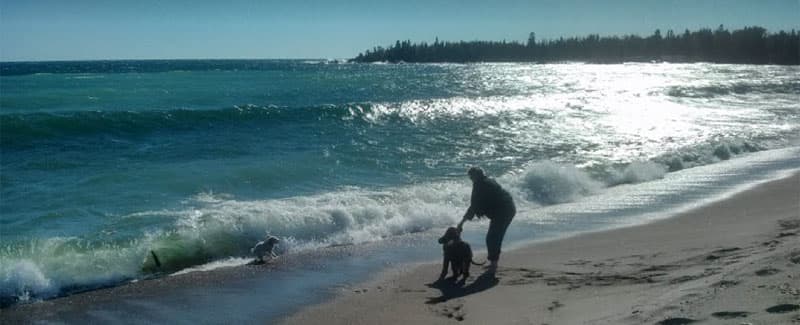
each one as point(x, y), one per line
point(265, 248)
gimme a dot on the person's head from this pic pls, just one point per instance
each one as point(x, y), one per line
point(475, 173)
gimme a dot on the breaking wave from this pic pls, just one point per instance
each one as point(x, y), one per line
point(27, 128)
point(741, 88)
point(551, 183)
point(216, 231)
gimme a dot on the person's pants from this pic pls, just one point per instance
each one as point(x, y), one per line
point(494, 237)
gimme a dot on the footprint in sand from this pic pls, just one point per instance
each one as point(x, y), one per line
point(676, 321)
point(783, 308)
point(767, 271)
point(455, 311)
point(555, 305)
point(730, 314)
point(520, 276)
point(661, 268)
point(794, 257)
point(725, 284)
point(789, 224)
point(684, 278)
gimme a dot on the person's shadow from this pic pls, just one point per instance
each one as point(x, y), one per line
point(451, 289)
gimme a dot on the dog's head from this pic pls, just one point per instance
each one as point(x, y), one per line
point(452, 233)
point(272, 240)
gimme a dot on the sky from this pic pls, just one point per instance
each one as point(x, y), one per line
point(38, 30)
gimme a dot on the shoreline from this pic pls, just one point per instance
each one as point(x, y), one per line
point(730, 260)
point(392, 273)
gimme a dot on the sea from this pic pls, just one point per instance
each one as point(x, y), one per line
point(105, 163)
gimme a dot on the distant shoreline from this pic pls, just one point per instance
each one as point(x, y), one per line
point(750, 45)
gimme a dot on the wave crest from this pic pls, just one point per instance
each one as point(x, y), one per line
point(741, 88)
point(214, 228)
point(638, 172)
point(21, 281)
point(551, 183)
point(25, 128)
point(707, 153)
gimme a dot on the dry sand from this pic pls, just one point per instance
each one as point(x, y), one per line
point(736, 261)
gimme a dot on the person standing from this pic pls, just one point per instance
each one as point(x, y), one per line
point(489, 199)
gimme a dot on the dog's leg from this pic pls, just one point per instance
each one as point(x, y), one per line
point(455, 265)
point(466, 269)
point(445, 261)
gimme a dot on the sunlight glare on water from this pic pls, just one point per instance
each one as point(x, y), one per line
point(619, 113)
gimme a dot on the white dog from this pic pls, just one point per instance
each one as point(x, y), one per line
point(265, 248)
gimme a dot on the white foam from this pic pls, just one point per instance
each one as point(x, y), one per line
point(707, 153)
point(23, 278)
point(228, 262)
point(347, 216)
point(41, 268)
point(547, 182)
point(638, 172)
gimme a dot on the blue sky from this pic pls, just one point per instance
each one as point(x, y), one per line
point(145, 29)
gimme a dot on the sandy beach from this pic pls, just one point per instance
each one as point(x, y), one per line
point(735, 261)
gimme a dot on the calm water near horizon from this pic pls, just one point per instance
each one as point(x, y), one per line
point(200, 161)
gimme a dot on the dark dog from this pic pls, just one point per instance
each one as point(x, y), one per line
point(457, 253)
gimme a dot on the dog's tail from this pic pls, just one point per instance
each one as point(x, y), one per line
point(473, 262)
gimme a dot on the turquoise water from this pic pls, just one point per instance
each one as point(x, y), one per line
point(199, 161)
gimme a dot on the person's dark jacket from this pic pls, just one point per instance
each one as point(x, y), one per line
point(491, 200)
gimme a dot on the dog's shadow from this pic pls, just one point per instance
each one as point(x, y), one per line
point(451, 289)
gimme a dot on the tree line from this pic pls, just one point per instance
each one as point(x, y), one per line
point(753, 45)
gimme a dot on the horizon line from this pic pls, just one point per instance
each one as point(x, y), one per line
point(165, 59)
point(728, 28)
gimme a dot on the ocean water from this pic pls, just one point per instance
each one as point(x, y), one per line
point(103, 162)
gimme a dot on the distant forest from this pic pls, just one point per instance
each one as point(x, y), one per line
point(752, 45)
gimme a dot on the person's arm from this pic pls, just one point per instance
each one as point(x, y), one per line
point(474, 202)
point(467, 216)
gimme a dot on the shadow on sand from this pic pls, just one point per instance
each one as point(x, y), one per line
point(451, 289)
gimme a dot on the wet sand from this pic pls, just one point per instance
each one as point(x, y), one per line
point(733, 261)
